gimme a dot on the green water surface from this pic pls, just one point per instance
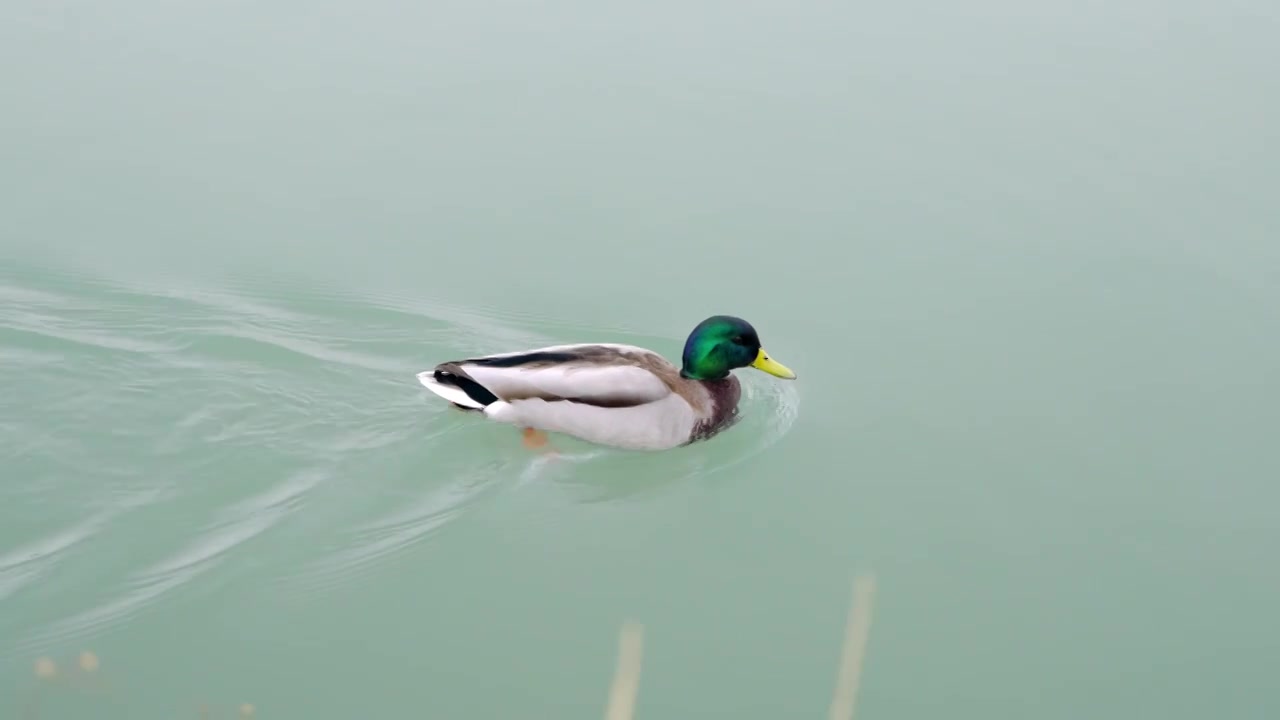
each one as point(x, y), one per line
point(1024, 258)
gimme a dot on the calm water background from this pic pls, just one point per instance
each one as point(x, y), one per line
point(1023, 257)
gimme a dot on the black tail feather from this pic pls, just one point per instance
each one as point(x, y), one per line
point(452, 375)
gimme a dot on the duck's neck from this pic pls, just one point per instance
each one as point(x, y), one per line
point(688, 374)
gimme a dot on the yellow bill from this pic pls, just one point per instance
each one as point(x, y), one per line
point(771, 366)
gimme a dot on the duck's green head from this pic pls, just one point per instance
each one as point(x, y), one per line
point(723, 342)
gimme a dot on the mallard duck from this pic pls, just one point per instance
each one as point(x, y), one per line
point(612, 394)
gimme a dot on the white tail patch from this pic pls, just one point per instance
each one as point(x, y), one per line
point(448, 392)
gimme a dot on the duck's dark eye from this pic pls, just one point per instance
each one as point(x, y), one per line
point(739, 340)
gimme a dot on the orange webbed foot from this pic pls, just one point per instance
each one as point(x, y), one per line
point(534, 439)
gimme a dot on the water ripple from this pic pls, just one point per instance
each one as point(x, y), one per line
point(87, 338)
point(24, 564)
point(377, 541)
point(311, 349)
point(28, 296)
point(239, 524)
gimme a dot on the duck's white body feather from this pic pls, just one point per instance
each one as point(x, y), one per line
point(656, 425)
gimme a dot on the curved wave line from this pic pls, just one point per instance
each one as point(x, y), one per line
point(25, 564)
point(247, 520)
point(316, 351)
point(389, 535)
point(93, 339)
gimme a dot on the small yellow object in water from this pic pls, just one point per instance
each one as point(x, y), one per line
point(246, 710)
point(88, 661)
point(45, 668)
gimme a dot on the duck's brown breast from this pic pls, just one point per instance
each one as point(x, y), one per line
point(722, 410)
